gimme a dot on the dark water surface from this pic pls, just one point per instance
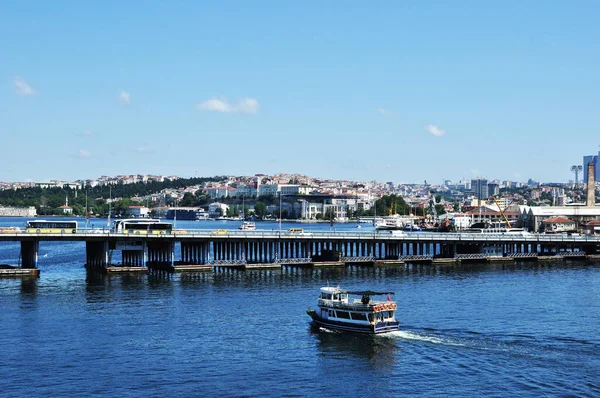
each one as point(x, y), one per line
point(479, 330)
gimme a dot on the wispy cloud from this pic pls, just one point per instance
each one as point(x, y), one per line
point(84, 153)
point(435, 130)
point(124, 97)
point(22, 88)
point(244, 105)
point(143, 149)
point(386, 112)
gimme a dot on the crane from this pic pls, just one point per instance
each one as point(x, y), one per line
point(502, 211)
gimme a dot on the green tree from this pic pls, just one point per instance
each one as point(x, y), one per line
point(188, 200)
point(260, 209)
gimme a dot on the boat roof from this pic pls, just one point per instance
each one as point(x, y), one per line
point(331, 289)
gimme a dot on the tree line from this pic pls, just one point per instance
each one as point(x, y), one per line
point(48, 201)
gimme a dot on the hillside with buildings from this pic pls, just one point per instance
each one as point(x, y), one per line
point(294, 196)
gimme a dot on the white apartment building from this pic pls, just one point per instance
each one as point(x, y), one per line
point(213, 209)
point(139, 211)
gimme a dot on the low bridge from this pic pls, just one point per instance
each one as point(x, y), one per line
point(222, 247)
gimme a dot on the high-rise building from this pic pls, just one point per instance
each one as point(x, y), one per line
point(493, 188)
point(591, 159)
point(480, 188)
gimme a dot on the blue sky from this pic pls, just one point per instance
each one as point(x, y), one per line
point(401, 91)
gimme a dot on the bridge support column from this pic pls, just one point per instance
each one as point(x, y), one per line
point(158, 254)
point(96, 253)
point(29, 253)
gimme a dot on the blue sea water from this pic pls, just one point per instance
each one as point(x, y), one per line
point(477, 330)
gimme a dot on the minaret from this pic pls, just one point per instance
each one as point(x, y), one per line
point(591, 187)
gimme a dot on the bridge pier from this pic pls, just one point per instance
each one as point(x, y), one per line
point(29, 253)
point(194, 253)
point(96, 253)
point(157, 254)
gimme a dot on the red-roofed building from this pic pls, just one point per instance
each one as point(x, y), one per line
point(592, 227)
point(558, 224)
point(139, 211)
point(66, 209)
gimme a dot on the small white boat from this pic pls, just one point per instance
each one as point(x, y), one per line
point(343, 310)
point(248, 226)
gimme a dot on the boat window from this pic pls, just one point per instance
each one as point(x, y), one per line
point(329, 297)
point(359, 316)
point(330, 312)
point(343, 314)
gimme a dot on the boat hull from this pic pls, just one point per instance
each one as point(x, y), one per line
point(378, 328)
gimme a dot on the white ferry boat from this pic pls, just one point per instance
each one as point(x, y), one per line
point(248, 226)
point(355, 311)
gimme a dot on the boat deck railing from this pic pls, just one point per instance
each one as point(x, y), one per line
point(358, 306)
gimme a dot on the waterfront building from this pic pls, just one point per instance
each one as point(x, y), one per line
point(217, 209)
point(187, 213)
point(67, 210)
point(461, 221)
point(558, 224)
point(532, 217)
point(139, 211)
point(10, 211)
point(489, 215)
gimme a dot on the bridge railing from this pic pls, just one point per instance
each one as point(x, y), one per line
point(358, 259)
point(467, 256)
point(522, 255)
point(228, 262)
point(415, 257)
point(301, 260)
point(397, 236)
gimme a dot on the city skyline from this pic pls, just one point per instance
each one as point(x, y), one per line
point(361, 92)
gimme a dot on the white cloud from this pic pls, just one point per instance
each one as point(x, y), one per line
point(125, 97)
point(244, 105)
point(22, 88)
point(214, 104)
point(435, 130)
point(84, 154)
point(386, 112)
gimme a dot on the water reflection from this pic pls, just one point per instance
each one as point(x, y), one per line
point(379, 350)
point(29, 286)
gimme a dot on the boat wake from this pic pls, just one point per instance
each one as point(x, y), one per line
point(407, 335)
